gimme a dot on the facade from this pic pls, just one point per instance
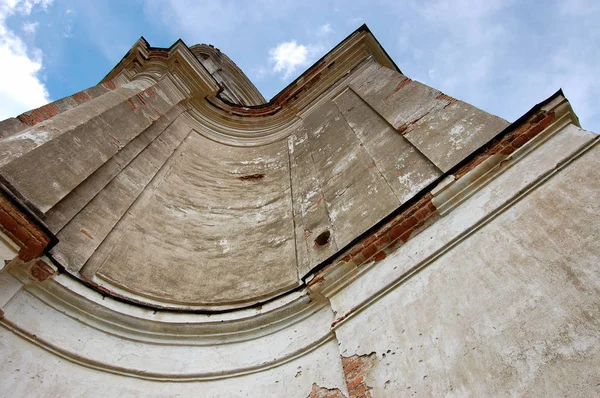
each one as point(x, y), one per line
point(169, 232)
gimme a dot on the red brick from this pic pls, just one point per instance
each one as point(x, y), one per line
point(347, 258)
point(358, 391)
point(396, 232)
point(81, 97)
point(352, 384)
point(382, 241)
point(109, 85)
point(358, 259)
point(368, 240)
point(22, 231)
point(41, 271)
point(379, 256)
point(8, 223)
point(349, 363)
point(369, 251)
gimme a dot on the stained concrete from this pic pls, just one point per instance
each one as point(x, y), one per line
point(511, 310)
point(166, 192)
point(147, 206)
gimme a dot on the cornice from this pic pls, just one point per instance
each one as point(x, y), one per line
point(127, 339)
point(235, 124)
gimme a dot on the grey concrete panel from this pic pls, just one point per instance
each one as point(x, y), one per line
point(396, 98)
point(87, 230)
point(65, 210)
point(450, 134)
point(405, 169)
point(217, 230)
point(357, 203)
point(73, 156)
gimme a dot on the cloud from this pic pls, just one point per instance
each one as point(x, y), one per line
point(26, 6)
point(20, 89)
point(288, 56)
point(259, 72)
point(485, 51)
point(325, 29)
point(30, 27)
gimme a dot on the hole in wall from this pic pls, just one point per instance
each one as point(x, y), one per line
point(251, 177)
point(323, 238)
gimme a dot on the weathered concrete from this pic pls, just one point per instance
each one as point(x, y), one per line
point(312, 246)
point(213, 210)
point(512, 310)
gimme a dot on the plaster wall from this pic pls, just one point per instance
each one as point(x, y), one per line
point(510, 310)
point(214, 216)
point(29, 371)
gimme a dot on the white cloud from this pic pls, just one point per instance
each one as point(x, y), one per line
point(20, 87)
point(26, 6)
point(288, 56)
point(30, 27)
point(325, 29)
point(259, 72)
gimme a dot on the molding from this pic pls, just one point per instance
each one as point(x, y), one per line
point(373, 280)
point(58, 312)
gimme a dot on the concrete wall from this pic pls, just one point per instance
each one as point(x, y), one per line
point(498, 296)
point(451, 260)
point(29, 371)
point(511, 309)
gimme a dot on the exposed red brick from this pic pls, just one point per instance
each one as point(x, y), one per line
point(356, 368)
point(512, 141)
point(39, 115)
point(355, 383)
point(396, 232)
point(368, 240)
point(20, 228)
point(109, 85)
point(347, 258)
point(257, 176)
point(81, 97)
point(445, 97)
point(322, 392)
point(406, 235)
point(379, 256)
point(403, 83)
point(422, 213)
point(8, 222)
point(41, 271)
point(359, 391)
point(356, 249)
point(369, 251)
point(383, 240)
point(358, 259)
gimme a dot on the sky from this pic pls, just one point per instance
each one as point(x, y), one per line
point(503, 56)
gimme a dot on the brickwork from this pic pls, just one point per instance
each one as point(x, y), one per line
point(322, 392)
point(356, 369)
point(41, 271)
point(423, 213)
point(22, 230)
point(38, 115)
point(512, 141)
point(397, 231)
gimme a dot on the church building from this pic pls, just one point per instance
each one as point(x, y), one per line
point(170, 233)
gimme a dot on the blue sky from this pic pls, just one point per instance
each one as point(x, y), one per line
point(503, 56)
